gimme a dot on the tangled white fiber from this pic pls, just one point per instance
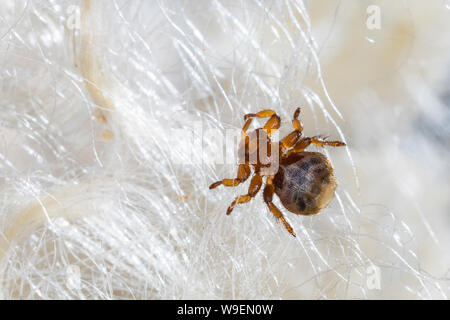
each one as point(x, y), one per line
point(113, 116)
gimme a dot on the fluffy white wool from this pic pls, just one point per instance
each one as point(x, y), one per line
point(104, 187)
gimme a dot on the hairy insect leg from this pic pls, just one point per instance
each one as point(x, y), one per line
point(269, 190)
point(242, 176)
point(253, 189)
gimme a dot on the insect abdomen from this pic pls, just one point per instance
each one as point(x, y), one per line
point(305, 183)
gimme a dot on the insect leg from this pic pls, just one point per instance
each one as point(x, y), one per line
point(300, 146)
point(295, 122)
point(253, 189)
point(272, 124)
point(242, 176)
point(321, 143)
point(268, 195)
point(292, 138)
point(305, 142)
point(261, 114)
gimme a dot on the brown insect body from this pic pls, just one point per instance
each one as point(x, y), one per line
point(304, 181)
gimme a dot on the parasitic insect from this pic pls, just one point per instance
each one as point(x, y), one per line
point(304, 181)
